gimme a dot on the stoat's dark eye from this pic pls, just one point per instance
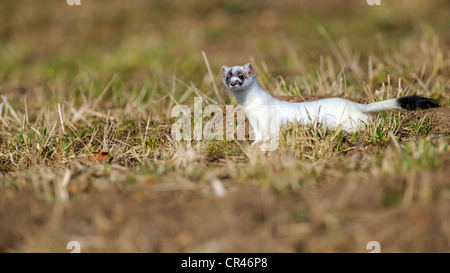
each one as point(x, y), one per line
point(241, 77)
point(228, 78)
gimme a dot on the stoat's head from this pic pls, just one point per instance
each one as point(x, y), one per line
point(238, 78)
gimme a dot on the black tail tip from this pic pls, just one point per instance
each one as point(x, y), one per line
point(416, 102)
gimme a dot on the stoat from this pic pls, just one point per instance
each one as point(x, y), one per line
point(265, 112)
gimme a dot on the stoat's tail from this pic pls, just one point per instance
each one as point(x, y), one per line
point(408, 103)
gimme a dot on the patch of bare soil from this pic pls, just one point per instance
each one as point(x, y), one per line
point(338, 216)
point(440, 119)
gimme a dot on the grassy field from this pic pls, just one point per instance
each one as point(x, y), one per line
point(86, 152)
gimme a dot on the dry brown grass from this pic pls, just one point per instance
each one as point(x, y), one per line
point(86, 151)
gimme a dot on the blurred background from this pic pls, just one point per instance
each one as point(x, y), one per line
point(143, 41)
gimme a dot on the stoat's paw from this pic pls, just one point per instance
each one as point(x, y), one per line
point(256, 142)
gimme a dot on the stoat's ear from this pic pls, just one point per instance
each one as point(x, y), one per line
point(250, 69)
point(225, 71)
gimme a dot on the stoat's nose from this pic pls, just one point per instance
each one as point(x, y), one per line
point(232, 83)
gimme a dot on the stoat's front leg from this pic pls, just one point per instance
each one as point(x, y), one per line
point(257, 130)
point(259, 119)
